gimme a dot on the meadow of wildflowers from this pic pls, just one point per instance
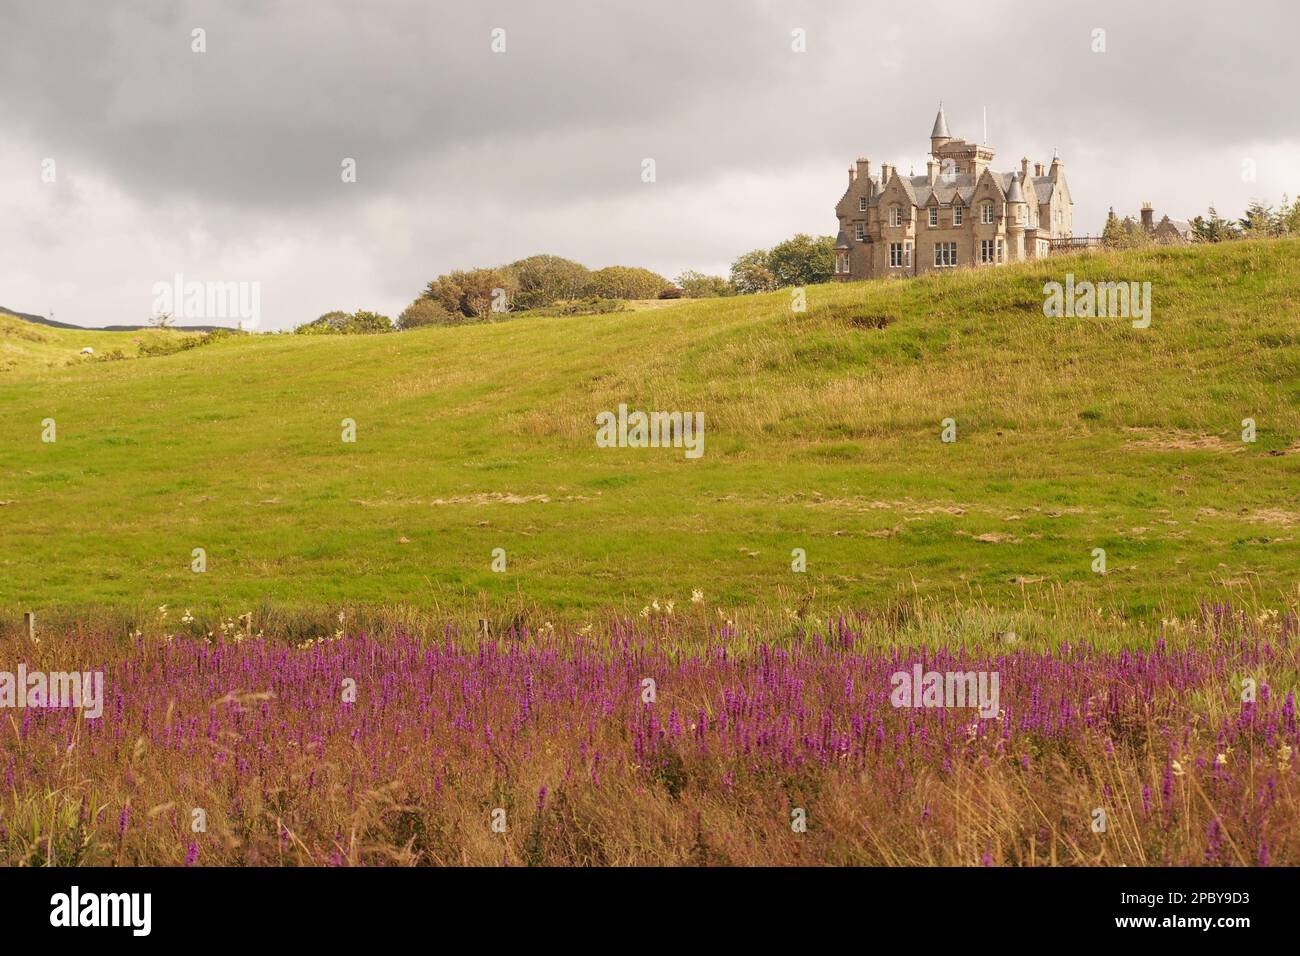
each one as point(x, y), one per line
point(659, 740)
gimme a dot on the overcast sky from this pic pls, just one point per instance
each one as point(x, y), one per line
point(226, 165)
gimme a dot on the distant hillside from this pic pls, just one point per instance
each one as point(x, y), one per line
point(32, 345)
point(38, 319)
point(41, 320)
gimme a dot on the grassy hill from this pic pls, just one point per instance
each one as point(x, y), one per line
point(822, 433)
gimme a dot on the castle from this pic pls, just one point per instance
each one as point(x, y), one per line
point(960, 213)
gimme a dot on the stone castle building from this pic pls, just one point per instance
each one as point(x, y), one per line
point(960, 213)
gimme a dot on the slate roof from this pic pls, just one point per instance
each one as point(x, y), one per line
point(960, 187)
point(940, 125)
point(1014, 191)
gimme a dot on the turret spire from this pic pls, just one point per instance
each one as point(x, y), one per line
point(940, 125)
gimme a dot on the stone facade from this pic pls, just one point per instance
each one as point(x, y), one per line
point(960, 213)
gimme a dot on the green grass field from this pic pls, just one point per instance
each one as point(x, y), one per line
point(822, 433)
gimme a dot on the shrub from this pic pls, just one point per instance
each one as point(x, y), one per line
point(363, 321)
point(802, 260)
point(344, 323)
point(699, 286)
point(542, 280)
point(750, 273)
point(472, 293)
point(424, 312)
point(591, 305)
point(171, 344)
point(625, 282)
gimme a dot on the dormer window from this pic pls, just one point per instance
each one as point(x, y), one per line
point(986, 213)
point(895, 215)
point(956, 215)
point(934, 216)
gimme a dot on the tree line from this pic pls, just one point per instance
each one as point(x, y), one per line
point(553, 285)
point(1261, 220)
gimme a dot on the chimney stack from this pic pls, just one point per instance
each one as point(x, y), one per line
point(931, 170)
point(1024, 168)
point(1148, 215)
point(1038, 169)
point(852, 174)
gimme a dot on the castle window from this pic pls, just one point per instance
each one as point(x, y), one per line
point(862, 204)
point(934, 217)
point(907, 254)
point(859, 230)
point(895, 215)
point(986, 213)
point(945, 255)
point(999, 249)
point(986, 250)
point(956, 215)
point(895, 255)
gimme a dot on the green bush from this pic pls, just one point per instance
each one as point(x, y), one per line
point(696, 285)
point(475, 293)
point(345, 323)
point(592, 305)
point(802, 260)
point(625, 282)
point(424, 312)
point(542, 280)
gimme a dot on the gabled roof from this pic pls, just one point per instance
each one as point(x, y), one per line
point(909, 185)
point(1183, 226)
point(960, 189)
